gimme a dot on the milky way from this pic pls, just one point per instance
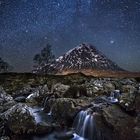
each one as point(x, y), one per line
point(113, 26)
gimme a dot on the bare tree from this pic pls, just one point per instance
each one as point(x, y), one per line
point(4, 66)
point(44, 58)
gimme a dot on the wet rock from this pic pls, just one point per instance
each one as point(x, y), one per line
point(137, 132)
point(67, 108)
point(102, 130)
point(38, 95)
point(20, 99)
point(76, 91)
point(63, 108)
point(127, 101)
point(94, 87)
point(32, 98)
point(8, 105)
point(137, 127)
point(19, 119)
point(64, 136)
point(25, 91)
point(129, 89)
point(99, 87)
point(137, 103)
point(43, 128)
point(109, 87)
point(4, 97)
point(60, 89)
point(126, 81)
point(6, 101)
point(4, 138)
point(121, 123)
point(3, 128)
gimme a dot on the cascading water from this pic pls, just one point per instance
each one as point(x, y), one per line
point(114, 96)
point(85, 126)
point(45, 102)
point(50, 112)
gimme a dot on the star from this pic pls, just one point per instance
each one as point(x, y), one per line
point(25, 25)
point(112, 41)
point(26, 31)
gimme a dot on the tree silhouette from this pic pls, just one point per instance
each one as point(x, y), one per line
point(44, 58)
point(4, 66)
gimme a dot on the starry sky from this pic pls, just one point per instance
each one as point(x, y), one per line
point(113, 26)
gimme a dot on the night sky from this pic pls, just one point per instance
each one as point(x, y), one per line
point(113, 26)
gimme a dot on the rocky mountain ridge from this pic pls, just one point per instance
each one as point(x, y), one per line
point(82, 57)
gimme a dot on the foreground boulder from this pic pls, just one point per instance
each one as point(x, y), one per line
point(60, 89)
point(97, 87)
point(121, 123)
point(4, 138)
point(38, 95)
point(19, 119)
point(66, 108)
point(20, 99)
point(6, 100)
point(22, 119)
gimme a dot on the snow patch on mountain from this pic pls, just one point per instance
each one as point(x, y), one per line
point(84, 56)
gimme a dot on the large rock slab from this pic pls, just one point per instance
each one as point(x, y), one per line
point(19, 119)
point(66, 108)
point(6, 100)
point(121, 123)
point(38, 95)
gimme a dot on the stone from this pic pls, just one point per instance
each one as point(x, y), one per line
point(19, 119)
point(4, 97)
point(6, 101)
point(25, 91)
point(4, 138)
point(43, 128)
point(64, 136)
point(20, 99)
point(127, 101)
point(38, 95)
point(121, 123)
point(64, 109)
point(60, 89)
point(109, 87)
point(32, 98)
point(137, 126)
point(128, 89)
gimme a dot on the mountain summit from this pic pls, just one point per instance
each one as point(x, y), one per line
point(82, 57)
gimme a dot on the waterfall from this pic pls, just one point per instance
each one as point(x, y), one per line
point(45, 102)
point(35, 113)
point(50, 112)
point(85, 126)
point(114, 96)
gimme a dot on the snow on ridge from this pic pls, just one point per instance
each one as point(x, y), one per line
point(59, 58)
point(78, 48)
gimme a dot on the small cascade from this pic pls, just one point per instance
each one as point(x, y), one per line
point(50, 112)
point(39, 115)
point(85, 126)
point(114, 96)
point(36, 114)
point(45, 102)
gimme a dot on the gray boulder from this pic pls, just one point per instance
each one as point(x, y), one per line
point(19, 119)
point(20, 99)
point(60, 89)
point(6, 101)
point(121, 123)
point(38, 95)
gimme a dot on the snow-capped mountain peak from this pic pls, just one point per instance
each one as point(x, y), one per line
point(84, 56)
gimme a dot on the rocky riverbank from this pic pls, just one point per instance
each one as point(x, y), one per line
point(89, 108)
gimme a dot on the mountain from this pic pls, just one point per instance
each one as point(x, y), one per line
point(82, 57)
